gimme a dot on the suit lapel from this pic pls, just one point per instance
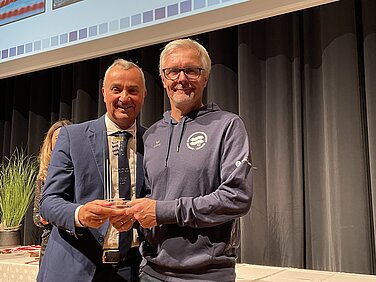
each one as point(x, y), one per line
point(98, 144)
point(99, 148)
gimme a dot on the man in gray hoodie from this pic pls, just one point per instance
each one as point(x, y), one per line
point(198, 171)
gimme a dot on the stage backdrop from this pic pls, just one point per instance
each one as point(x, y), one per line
point(304, 83)
point(37, 34)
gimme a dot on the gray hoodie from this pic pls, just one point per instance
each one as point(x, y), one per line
point(199, 172)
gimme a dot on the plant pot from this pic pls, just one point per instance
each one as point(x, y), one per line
point(10, 237)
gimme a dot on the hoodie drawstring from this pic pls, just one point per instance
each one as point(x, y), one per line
point(170, 130)
point(169, 141)
point(181, 132)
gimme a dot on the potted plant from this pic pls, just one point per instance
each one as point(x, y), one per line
point(17, 184)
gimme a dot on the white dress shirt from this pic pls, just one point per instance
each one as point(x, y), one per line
point(112, 236)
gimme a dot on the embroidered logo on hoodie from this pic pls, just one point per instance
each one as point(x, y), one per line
point(197, 141)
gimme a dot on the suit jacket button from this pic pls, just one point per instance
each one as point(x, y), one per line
point(100, 239)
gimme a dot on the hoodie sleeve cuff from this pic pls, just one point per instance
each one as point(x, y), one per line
point(165, 212)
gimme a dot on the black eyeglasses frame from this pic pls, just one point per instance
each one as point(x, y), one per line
point(183, 70)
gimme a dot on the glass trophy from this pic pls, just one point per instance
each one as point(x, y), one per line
point(112, 150)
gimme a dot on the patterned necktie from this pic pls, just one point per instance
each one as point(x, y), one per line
point(124, 183)
point(123, 167)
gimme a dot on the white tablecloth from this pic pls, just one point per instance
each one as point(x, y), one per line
point(18, 267)
point(23, 268)
point(260, 273)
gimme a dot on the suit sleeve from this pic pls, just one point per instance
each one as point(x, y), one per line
point(56, 204)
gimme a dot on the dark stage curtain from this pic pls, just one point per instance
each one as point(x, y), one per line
point(304, 85)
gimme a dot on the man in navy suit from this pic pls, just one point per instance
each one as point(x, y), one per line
point(85, 227)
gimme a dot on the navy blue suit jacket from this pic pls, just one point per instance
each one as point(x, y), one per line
point(75, 177)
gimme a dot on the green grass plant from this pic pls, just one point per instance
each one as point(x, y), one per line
point(17, 183)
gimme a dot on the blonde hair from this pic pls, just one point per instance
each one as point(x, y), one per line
point(185, 43)
point(46, 149)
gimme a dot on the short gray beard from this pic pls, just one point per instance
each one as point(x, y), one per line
point(181, 100)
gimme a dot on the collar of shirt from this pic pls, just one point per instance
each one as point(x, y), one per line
point(113, 127)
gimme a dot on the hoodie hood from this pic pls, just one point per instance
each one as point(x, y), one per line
point(174, 125)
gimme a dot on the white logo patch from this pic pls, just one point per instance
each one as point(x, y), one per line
point(157, 143)
point(197, 141)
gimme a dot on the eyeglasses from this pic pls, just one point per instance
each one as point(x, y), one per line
point(189, 72)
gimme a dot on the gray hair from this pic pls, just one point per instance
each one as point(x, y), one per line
point(126, 65)
point(186, 43)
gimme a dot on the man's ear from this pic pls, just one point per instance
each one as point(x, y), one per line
point(206, 80)
point(104, 94)
point(163, 82)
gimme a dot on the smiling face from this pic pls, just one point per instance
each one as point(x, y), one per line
point(184, 94)
point(123, 92)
